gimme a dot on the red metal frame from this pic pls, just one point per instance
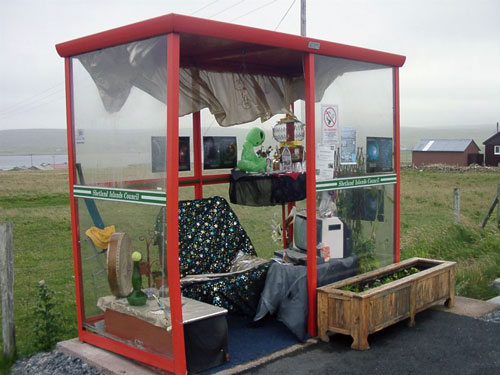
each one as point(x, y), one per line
point(172, 207)
point(208, 179)
point(198, 187)
point(311, 193)
point(75, 221)
point(397, 165)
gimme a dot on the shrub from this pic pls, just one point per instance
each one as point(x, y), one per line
point(45, 320)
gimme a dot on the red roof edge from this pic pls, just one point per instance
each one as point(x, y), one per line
point(199, 26)
point(135, 31)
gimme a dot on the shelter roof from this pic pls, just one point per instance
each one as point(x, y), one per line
point(444, 145)
point(212, 40)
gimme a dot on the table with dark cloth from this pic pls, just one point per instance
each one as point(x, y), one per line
point(262, 189)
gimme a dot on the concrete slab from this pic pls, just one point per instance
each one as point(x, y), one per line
point(112, 364)
point(108, 363)
point(473, 308)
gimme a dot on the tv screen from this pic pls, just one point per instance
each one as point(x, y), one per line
point(158, 154)
point(300, 232)
point(378, 154)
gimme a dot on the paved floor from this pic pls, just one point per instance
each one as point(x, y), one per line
point(440, 343)
point(450, 341)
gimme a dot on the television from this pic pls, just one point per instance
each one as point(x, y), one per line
point(329, 231)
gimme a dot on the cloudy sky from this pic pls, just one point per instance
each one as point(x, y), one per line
point(451, 76)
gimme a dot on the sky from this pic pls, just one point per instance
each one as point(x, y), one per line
point(451, 77)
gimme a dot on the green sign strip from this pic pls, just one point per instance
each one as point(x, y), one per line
point(355, 182)
point(157, 198)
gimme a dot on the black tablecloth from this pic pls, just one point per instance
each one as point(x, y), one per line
point(255, 189)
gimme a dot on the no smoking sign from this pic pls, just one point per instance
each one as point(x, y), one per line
point(330, 124)
point(330, 117)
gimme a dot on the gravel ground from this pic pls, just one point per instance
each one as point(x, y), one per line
point(52, 363)
point(493, 317)
point(56, 363)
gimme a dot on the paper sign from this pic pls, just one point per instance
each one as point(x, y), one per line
point(330, 124)
point(325, 158)
point(348, 145)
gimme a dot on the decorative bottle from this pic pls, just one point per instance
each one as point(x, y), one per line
point(137, 297)
point(286, 159)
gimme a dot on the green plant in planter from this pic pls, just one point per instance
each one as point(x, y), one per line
point(370, 284)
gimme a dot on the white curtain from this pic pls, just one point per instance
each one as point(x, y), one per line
point(232, 97)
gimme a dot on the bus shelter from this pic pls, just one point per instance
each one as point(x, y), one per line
point(152, 113)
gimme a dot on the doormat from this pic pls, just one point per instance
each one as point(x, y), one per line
point(249, 340)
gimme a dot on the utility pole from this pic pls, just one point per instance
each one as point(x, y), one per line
point(303, 17)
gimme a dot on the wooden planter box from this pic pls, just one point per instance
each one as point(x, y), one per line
point(360, 314)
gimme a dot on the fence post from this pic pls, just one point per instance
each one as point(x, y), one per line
point(7, 289)
point(496, 200)
point(456, 205)
point(498, 204)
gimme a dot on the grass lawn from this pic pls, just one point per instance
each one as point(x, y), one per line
point(37, 204)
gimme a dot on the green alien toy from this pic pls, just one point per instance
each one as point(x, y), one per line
point(250, 162)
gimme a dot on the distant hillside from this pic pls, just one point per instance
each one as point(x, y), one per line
point(53, 141)
point(33, 141)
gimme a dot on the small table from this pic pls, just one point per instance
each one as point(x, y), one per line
point(266, 189)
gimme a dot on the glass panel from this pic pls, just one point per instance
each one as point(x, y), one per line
point(354, 113)
point(355, 158)
point(104, 272)
point(120, 128)
point(119, 109)
point(259, 222)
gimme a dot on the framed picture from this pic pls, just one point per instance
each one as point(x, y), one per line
point(158, 154)
point(378, 154)
point(219, 152)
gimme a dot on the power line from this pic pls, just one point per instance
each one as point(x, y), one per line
point(35, 102)
point(203, 7)
point(41, 95)
point(29, 108)
point(254, 10)
point(222, 11)
point(282, 18)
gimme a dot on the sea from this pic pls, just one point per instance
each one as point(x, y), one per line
point(8, 162)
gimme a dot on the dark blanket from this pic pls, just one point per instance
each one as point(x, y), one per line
point(210, 236)
point(285, 292)
point(210, 239)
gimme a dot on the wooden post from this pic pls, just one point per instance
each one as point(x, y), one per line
point(7, 289)
point(498, 203)
point(456, 206)
point(495, 201)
